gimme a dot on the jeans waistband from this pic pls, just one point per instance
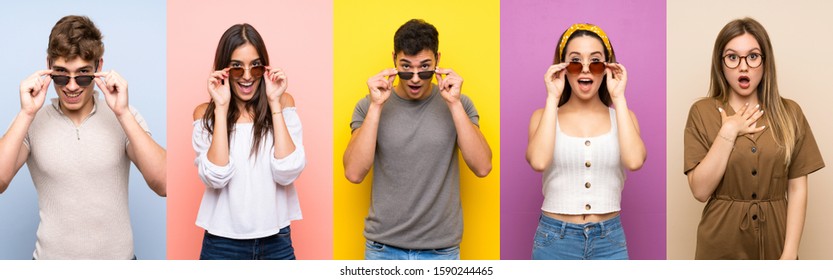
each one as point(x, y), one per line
point(600, 228)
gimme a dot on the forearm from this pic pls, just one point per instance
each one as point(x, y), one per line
point(631, 147)
point(361, 151)
point(283, 141)
point(796, 214)
point(149, 157)
point(218, 152)
point(472, 143)
point(704, 178)
point(11, 145)
point(541, 147)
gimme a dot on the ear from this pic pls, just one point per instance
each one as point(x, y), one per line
point(48, 64)
point(439, 54)
point(100, 64)
point(393, 57)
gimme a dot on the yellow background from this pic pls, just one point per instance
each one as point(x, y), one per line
point(470, 45)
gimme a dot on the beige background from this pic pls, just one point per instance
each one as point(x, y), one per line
point(799, 31)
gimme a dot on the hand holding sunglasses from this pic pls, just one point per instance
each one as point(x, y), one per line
point(276, 84)
point(554, 80)
point(33, 91)
point(114, 88)
point(450, 85)
point(381, 86)
point(218, 88)
point(617, 79)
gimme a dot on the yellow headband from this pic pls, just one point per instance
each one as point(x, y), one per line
point(586, 27)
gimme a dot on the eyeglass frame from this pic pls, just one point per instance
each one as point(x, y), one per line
point(92, 77)
point(423, 75)
point(744, 59)
point(244, 69)
point(589, 67)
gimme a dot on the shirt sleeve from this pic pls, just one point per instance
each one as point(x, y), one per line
point(470, 110)
point(359, 113)
point(212, 175)
point(696, 142)
point(806, 157)
point(286, 170)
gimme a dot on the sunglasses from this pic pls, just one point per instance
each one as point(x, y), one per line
point(237, 72)
point(423, 75)
point(596, 67)
point(82, 81)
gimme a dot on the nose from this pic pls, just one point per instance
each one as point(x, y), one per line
point(247, 74)
point(415, 79)
point(585, 68)
point(72, 85)
point(743, 64)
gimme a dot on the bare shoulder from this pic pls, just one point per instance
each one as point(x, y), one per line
point(287, 100)
point(536, 115)
point(200, 111)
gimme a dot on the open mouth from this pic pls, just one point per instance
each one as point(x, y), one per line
point(73, 97)
point(585, 84)
point(246, 87)
point(743, 82)
point(414, 89)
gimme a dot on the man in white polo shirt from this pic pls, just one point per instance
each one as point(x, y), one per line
point(79, 149)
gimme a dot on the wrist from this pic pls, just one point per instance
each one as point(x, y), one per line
point(728, 134)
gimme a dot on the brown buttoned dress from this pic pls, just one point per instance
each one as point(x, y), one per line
point(746, 216)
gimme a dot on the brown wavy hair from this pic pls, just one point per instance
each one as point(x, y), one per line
point(72, 37)
point(779, 116)
point(236, 36)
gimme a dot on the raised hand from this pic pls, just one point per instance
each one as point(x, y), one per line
point(617, 79)
point(114, 88)
point(450, 85)
point(218, 88)
point(554, 79)
point(276, 83)
point(33, 91)
point(744, 121)
point(381, 86)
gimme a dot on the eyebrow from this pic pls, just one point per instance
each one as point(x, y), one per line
point(421, 62)
point(754, 49)
point(61, 68)
point(238, 61)
point(593, 53)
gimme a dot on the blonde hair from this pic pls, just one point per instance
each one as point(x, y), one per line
point(780, 117)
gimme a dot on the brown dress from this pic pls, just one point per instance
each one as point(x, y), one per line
point(746, 216)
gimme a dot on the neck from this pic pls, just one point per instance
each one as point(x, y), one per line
point(589, 104)
point(737, 101)
point(78, 116)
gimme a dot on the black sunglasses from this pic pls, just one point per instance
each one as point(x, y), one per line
point(423, 75)
point(82, 81)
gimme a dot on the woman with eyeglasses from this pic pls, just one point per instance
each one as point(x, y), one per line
point(747, 152)
point(249, 150)
point(583, 145)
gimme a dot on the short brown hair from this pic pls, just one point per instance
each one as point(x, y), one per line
point(75, 36)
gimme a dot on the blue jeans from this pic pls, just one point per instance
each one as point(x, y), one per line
point(557, 240)
point(378, 251)
point(273, 247)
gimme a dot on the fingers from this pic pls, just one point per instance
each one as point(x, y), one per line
point(42, 73)
point(554, 71)
point(389, 72)
point(722, 113)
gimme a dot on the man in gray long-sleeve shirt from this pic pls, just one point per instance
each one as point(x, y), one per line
point(410, 134)
point(79, 149)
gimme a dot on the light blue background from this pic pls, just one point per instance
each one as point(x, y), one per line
point(134, 42)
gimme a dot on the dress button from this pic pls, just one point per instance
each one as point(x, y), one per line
point(587, 163)
point(754, 195)
point(587, 207)
point(754, 217)
point(754, 150)
point(587, 143)
point(587, 185)
point(754, 172)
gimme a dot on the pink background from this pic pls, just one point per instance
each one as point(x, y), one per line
point(298, 36)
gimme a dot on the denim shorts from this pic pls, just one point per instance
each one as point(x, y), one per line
point(379, 251)
point(558, 240)
point(273, 247)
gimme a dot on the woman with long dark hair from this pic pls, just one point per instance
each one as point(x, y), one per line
point(249, 150)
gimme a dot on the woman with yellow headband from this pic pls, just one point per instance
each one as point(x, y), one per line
point(583, 145)
point(747, 152)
